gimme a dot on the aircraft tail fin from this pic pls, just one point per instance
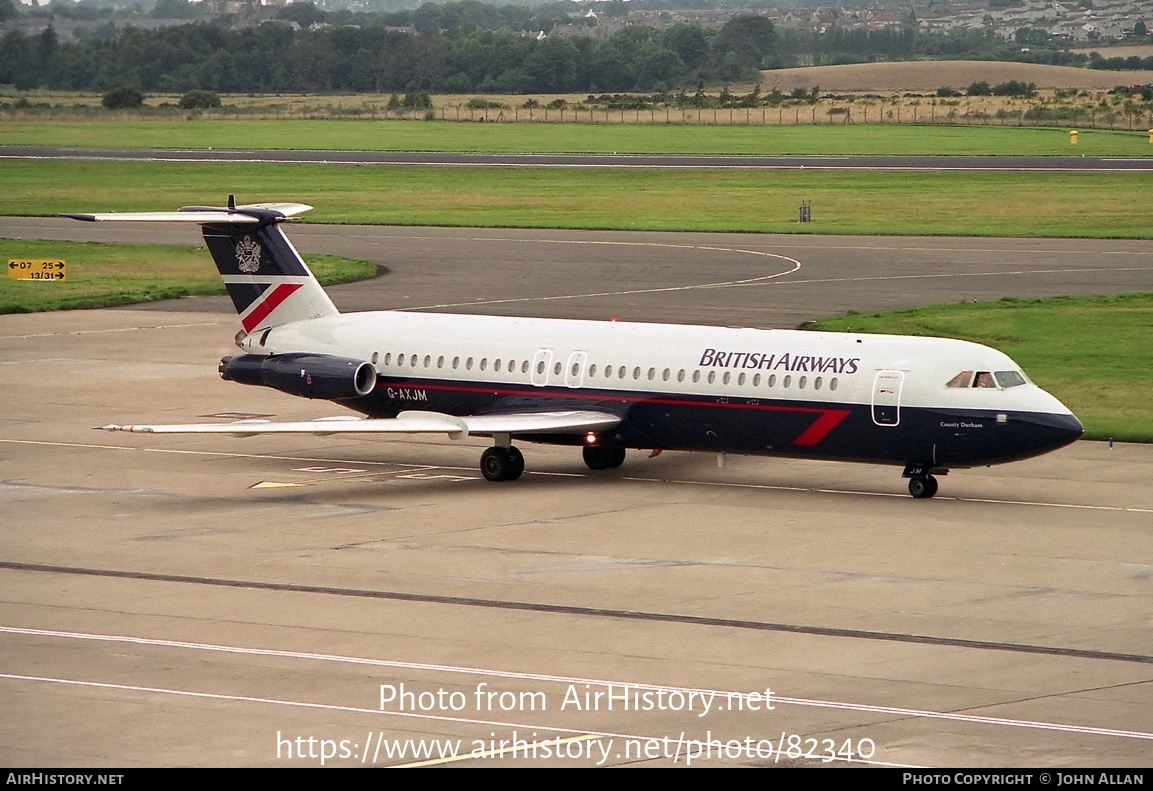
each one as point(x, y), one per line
point(268, 281)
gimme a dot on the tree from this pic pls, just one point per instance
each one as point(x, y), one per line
point(748, 39)
point(123, 98)
point(7, 10)
point(198, 99)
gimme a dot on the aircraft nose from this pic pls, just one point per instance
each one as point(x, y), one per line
point(1054, 431)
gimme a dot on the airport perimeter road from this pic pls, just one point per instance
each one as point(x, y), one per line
point(753, 280)
point(214, 601)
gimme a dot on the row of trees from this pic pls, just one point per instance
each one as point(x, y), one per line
point(275, 57)
point(454, 52)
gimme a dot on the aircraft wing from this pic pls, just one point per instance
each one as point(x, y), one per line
point(411, 422)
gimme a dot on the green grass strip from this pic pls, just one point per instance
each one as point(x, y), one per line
point(1093, 353)
point(898, 203)
point(643, 138)
point(102, 275)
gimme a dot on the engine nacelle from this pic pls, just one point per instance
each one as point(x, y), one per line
point(307, 375)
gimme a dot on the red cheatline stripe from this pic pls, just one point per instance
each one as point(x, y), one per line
point(827, 418)
point(271, 302)
point(821, 427)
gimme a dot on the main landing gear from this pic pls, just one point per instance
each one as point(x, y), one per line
point(601, 457)
point(502, 464)
point(505, 462)
point(922, 484)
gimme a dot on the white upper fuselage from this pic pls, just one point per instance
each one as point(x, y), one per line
point(659, 358)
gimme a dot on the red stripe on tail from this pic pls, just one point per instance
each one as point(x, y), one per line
point(272, 300)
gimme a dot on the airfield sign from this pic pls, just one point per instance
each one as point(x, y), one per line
point(28, 269)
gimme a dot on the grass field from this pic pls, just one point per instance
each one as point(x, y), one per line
point(1093, 353)
point(917, 203)
point(572, 138)
point(101, 275)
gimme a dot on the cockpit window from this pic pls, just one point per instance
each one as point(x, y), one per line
point(1010, 378)
point(987, 379)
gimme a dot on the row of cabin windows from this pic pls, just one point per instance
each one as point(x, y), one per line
point(742, 378)
point(415, 361)
point(607, 372)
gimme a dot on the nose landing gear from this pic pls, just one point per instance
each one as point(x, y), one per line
point(922, 484)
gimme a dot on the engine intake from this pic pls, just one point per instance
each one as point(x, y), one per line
point(307, 375)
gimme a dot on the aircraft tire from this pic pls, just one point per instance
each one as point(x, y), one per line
point(517, 459)
point(497, 464)
point(923, 487)
point(599, 457)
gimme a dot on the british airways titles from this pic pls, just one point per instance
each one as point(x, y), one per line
point(712, 358)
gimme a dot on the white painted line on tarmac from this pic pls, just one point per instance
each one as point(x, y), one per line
point(559, 679)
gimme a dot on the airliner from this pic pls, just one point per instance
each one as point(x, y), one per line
point(927, 405)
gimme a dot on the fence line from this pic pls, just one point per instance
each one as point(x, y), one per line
point(798, 115)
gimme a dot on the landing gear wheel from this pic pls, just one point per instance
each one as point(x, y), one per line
point(501, 464)
point(517, 459)
point(599, 457)
point(923, 487)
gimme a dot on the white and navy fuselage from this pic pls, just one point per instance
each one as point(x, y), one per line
point(927, 403)
point(843, 396)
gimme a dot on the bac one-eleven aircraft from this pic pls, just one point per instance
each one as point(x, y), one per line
point(926, 404)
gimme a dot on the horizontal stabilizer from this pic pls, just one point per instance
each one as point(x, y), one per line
point(413, 422)
point(250, 214)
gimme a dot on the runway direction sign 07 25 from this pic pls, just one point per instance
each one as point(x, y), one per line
point(35, 269)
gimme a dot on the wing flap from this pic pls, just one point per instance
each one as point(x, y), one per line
point(412, 422)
